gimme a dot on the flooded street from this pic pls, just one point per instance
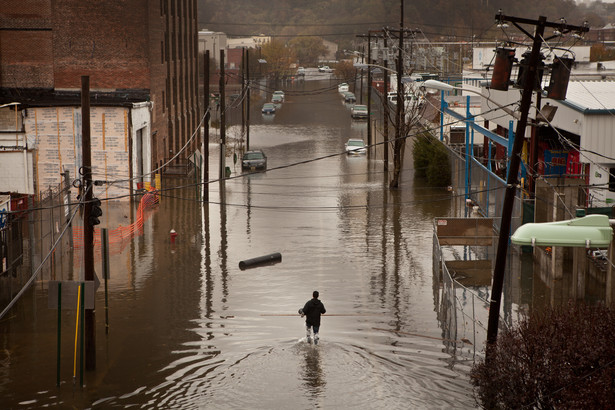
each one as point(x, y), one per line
point(189, 329)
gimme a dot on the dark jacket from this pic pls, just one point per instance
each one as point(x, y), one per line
point(312, 311)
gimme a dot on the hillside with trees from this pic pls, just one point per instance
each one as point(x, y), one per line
point(341, 20)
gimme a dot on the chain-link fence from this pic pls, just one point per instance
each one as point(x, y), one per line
point(462, 312)
point(29, 238)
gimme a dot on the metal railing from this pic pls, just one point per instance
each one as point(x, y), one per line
point(462, 312)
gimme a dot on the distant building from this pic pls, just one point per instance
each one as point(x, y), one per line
point(141, 58)
point(331, 53)
point(605, 34)
point(249, 42)
point(214, 42)
point(574, 141)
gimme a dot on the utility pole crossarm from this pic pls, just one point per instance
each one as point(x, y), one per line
point(561, 26)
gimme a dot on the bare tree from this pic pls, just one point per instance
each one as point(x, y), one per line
point(279, 58)
point(411, 113)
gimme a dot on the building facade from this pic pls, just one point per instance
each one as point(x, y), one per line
point(142, 64)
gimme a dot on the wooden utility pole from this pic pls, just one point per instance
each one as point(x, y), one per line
point(222, 118)
point(206, 127)
point(243, 92)
point(248, 99)
point(515, 160)
point(399, 115)
point(88, 228)
point(369, 91)
point(370, 62)
point(385, 107)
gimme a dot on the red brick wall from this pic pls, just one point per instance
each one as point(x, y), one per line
point(26, 59)
point(120, 44)
point(25, 43)
point(107, 40)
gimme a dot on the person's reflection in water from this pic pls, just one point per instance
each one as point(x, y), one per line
point(313, 376)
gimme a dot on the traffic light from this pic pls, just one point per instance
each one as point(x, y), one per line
point(95, 212)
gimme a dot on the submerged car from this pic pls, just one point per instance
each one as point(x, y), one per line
point(343, 87)
point(359, 112)
point(268, 108)
point(254, 160)
point(349, 97)
point(279, 95)
point(277, 99)
point(355, 146)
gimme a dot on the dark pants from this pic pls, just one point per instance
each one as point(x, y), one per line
point(308, 330)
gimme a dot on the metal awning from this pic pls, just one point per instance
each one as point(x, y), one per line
point(592, 231)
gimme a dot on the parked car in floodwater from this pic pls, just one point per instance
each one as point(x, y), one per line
point(254, 160)
point(279, 94)
point(349, 97)
point(355, 146)
point(268, 108)
point(359, 112)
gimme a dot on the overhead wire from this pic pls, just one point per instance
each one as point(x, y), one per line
point(164, 190)
point(26, 286)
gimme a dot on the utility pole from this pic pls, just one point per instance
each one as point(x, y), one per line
point(222, 117)
point(515, 159)
point(369, 91)
point(88, 228)
point(206, 128)
point(370, 139)
point(243, 91)
point(248, 99)
point(399, 117)
point(385, 107)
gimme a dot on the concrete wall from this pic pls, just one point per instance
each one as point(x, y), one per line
point(140, 118)
point(16, 172)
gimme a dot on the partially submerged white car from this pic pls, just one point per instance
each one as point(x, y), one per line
point(355, 146)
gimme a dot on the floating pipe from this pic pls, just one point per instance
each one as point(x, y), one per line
point(261, 260)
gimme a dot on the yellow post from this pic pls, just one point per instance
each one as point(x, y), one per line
point(158, 185)
point(76, 334)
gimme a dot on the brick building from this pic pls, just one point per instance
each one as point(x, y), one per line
point(141, 58)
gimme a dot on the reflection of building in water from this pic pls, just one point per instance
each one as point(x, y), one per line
point(313, 376)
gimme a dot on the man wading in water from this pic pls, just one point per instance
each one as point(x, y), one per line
point(312, 310)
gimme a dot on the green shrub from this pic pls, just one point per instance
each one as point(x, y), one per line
point(421, 154)
point(431, 160)
point(439, 168)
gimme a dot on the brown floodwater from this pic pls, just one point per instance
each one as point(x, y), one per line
point(189, 329)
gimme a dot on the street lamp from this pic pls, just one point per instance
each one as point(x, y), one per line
point(439, 85)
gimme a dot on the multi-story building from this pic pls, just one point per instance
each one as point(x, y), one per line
point(141, 58)
point(214, 42)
